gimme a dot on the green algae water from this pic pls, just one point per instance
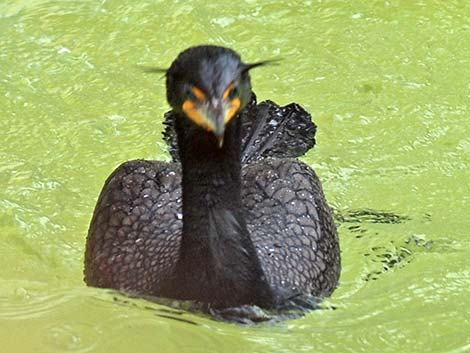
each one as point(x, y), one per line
point(388, 84)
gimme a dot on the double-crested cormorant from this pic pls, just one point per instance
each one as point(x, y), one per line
point(235, 219)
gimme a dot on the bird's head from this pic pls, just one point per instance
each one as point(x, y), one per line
point(209, 85)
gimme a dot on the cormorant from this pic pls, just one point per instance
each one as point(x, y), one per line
point(235, 218)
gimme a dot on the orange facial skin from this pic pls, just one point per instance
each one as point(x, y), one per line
point(192, 107)
point(234, 106)
point(198, 93)
point(192, 111)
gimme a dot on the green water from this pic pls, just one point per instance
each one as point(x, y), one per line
point(387, 82)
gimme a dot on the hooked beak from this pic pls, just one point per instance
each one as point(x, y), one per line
point(216, 115)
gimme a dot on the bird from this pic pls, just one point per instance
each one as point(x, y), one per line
point(235, 218)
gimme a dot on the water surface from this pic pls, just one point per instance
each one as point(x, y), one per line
point(387, 82)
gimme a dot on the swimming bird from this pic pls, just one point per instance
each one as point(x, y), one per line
point(235, 218)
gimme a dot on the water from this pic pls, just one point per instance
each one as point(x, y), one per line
point(386, 81)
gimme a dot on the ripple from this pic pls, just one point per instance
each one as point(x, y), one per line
point(387, 84)
point(25, 303)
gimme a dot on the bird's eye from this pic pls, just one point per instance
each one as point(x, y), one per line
point(195, 94)
point(233, 93)
point(190, 94)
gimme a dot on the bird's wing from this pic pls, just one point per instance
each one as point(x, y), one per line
point(169, 135)
point(134, 236)
point(268, 130)
point(291, 226)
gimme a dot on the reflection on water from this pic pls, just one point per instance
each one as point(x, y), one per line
point(387, 85)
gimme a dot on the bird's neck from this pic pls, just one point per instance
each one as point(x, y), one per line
point(218, 261)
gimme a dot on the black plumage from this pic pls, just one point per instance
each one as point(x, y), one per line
point(235, 218)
